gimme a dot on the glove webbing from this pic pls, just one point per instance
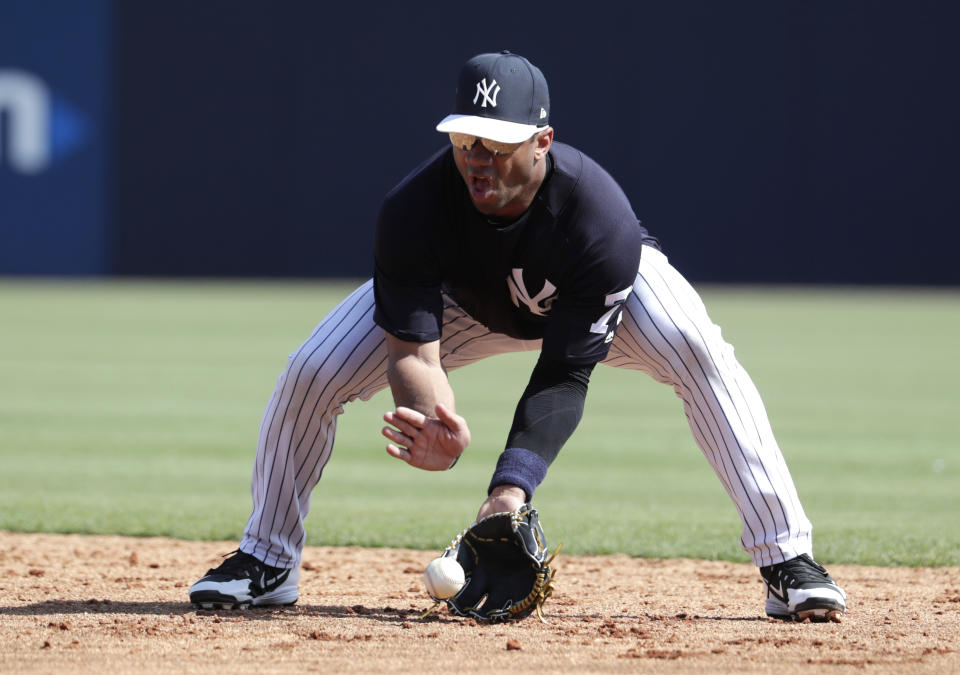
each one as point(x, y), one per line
point(543, 589)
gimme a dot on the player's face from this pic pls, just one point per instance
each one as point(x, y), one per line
point(504, 185)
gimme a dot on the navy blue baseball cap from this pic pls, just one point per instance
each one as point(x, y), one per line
point(502, 97)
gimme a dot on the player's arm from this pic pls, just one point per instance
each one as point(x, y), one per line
point(547, 415)
point(577, 338)
point(416, 376)
point(426, 431)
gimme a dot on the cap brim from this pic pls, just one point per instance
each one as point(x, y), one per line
point(495, 130)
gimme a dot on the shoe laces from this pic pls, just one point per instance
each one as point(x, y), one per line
point(802, 569)
point(238, 564)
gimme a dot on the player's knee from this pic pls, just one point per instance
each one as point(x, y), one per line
point(332, 379)
point(696, 348)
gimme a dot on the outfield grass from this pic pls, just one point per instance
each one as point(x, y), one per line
point(132, 408)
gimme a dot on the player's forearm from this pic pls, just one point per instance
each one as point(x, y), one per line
point(416, 376)
point(547, 415)
point(419, 385)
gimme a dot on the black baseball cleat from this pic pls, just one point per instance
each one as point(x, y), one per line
point(242, 580)
point(800, 589)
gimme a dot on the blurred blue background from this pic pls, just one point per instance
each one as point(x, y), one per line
point(760, 141)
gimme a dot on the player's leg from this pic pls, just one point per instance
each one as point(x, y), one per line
point(466, 341)
point(667, 333)
point(343, 359)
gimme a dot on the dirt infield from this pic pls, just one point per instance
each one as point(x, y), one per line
point(94, 604)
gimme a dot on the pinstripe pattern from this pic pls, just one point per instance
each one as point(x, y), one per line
point(665, 332)
point(345, 358)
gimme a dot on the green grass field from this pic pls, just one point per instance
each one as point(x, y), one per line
point(132, 408)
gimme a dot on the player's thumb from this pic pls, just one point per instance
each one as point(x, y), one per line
point(455, 424)
point(449, 418)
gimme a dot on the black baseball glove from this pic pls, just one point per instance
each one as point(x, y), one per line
point(504, 559)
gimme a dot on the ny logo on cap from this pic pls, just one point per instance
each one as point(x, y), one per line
point(484, 90)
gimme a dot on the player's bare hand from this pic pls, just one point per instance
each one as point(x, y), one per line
point(430, 443)
point(502, 498)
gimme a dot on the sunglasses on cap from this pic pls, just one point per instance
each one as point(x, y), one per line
point(466, 141)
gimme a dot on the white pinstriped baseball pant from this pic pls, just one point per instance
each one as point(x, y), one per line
point(665, 332)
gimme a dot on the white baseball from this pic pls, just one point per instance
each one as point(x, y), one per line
point(443, 578)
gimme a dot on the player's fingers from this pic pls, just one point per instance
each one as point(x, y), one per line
point(398, 437)
point(399, 453)
point(411, 416)
point(406, 428)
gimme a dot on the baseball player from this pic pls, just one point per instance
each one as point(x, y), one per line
point(503, 241)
